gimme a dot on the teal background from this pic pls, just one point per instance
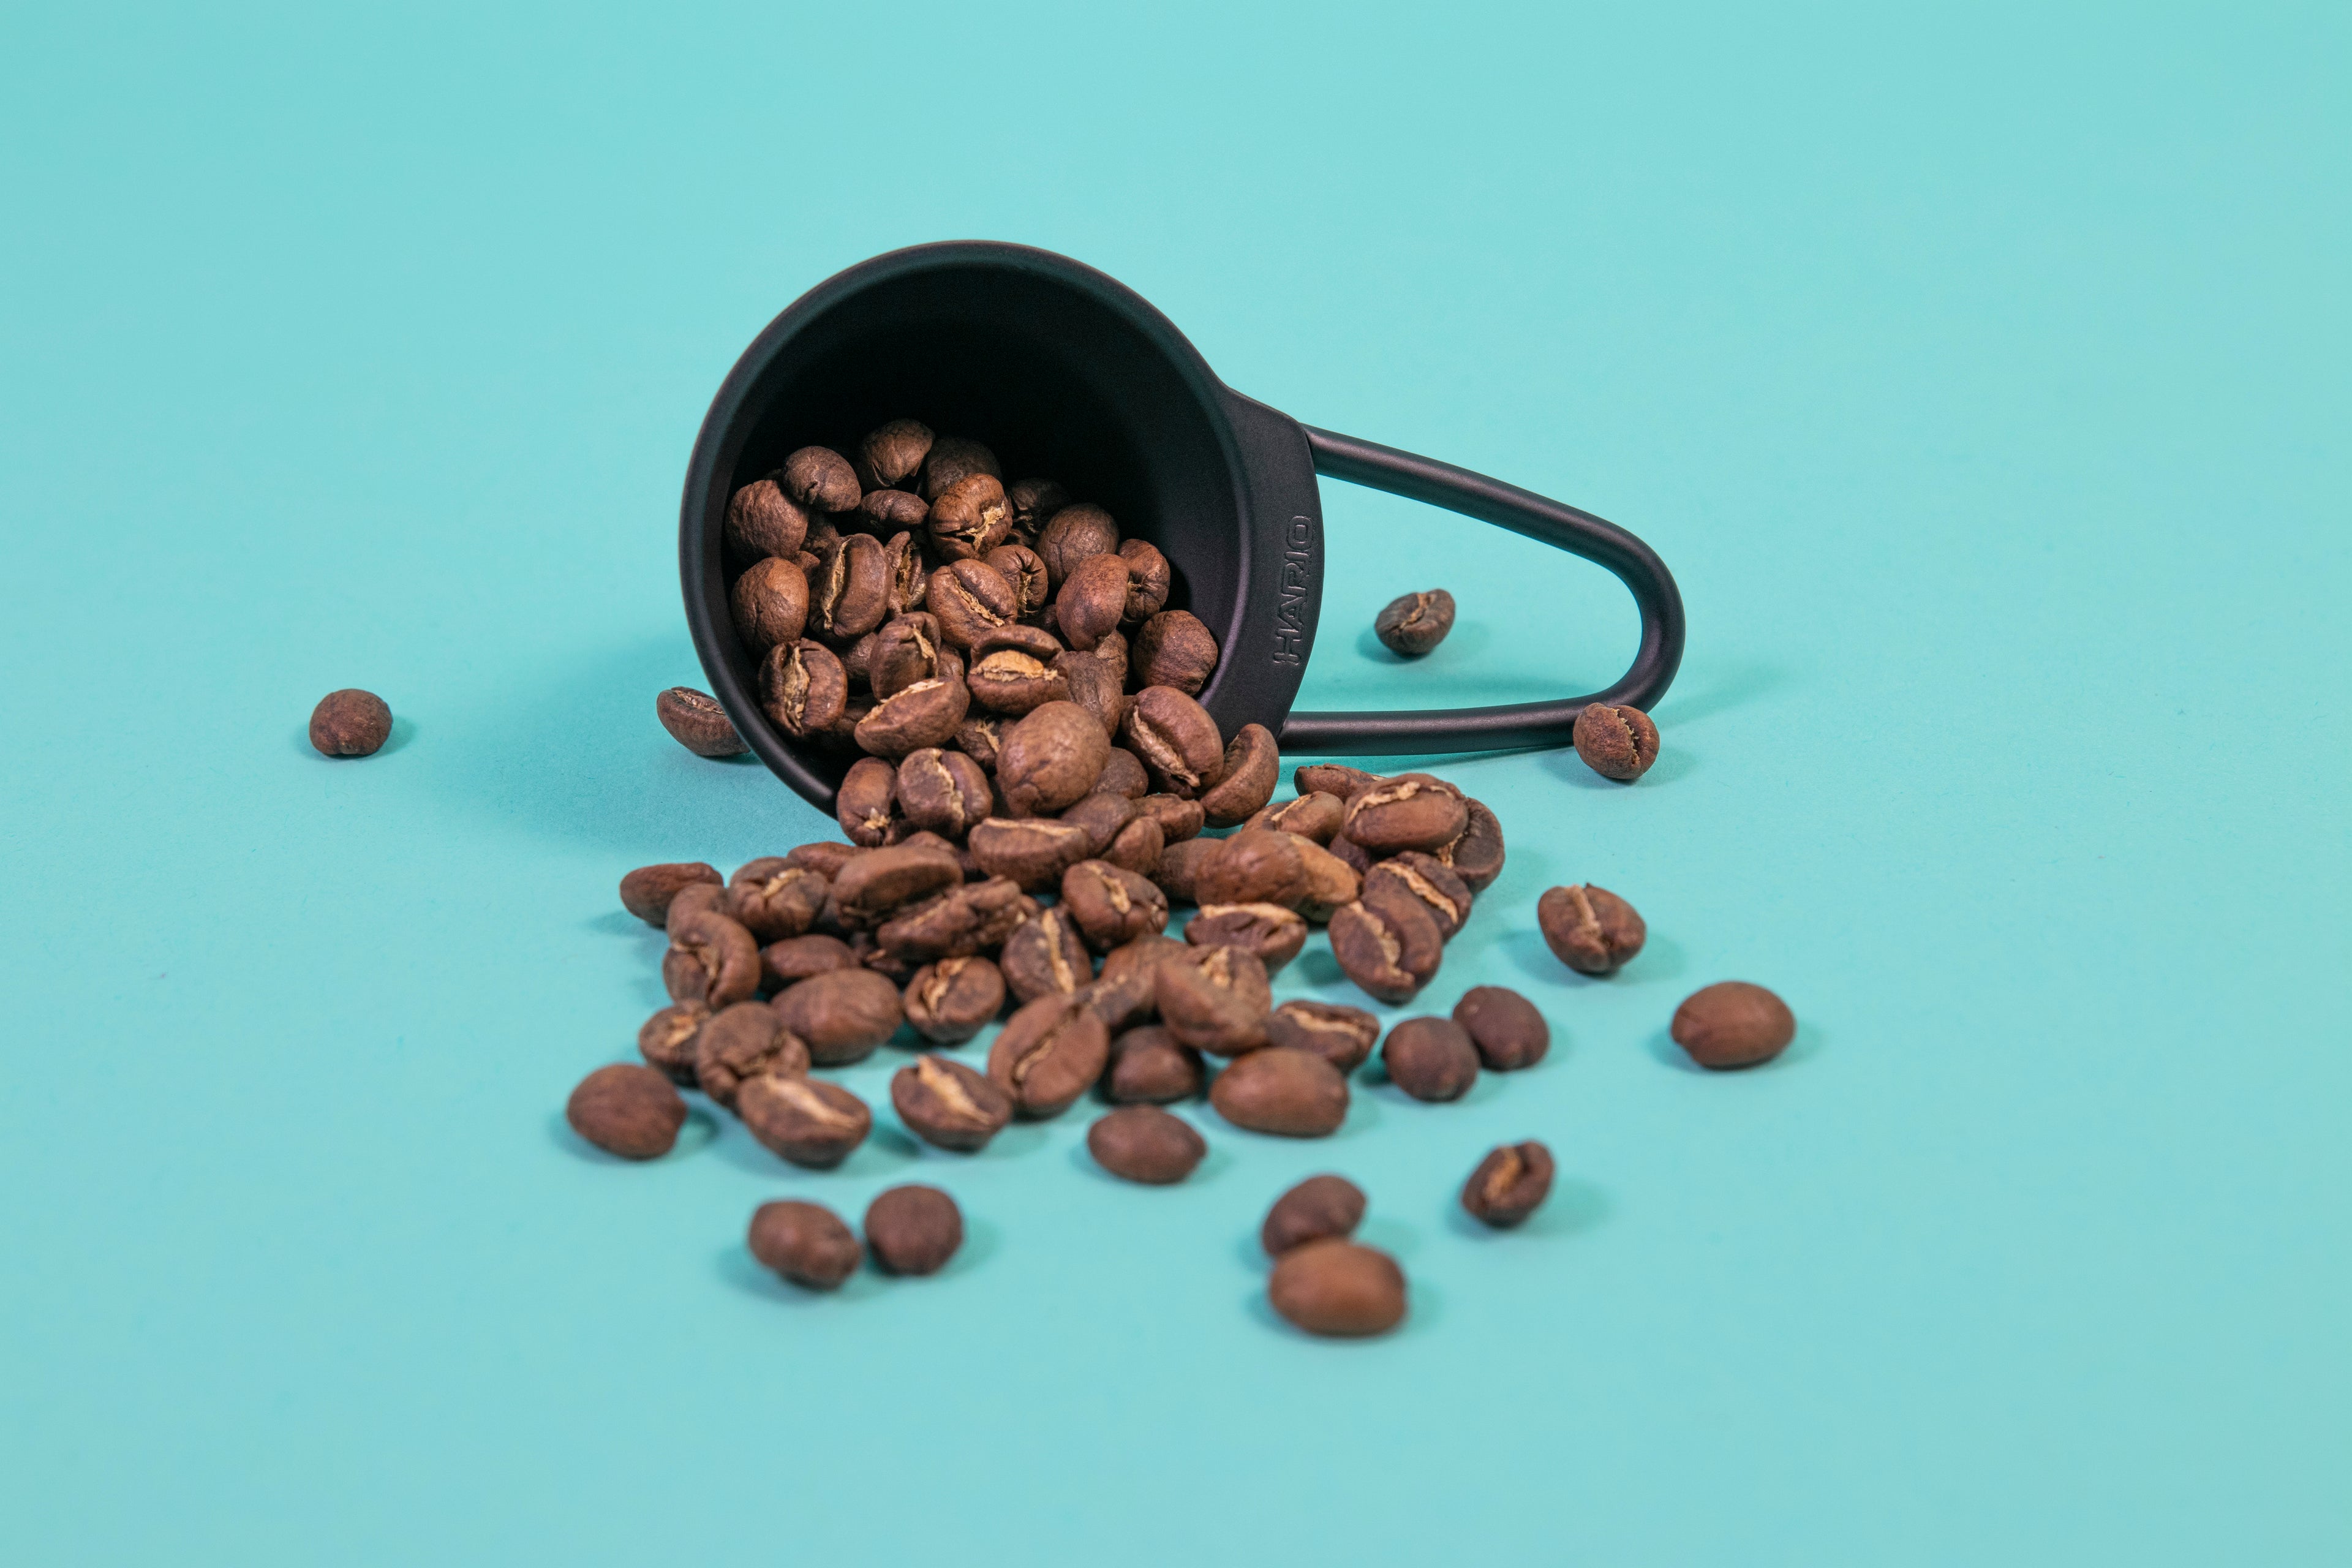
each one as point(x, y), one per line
point(1981, 372)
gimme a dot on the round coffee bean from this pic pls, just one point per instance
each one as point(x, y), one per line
point(821, 480)
point(1112, 906)
point(914, 1229)
point(1147, 579)
point(1616, 742)
point(907, 648)
point(1032, 591)
point(1010, 681)
point(666, 1040)
point(711, 958)
point(1175, 650)
point(1091, 601)
point(1246, 778)
point(803, 1120)
point(1175, 740)
point(1178, 819)
point(796, 958)
point(696, 721)
point(978, 738)
point(1144, 1144)
point(1320, 1209)
point(744, 1041)
point(1414, 623)
point(866, 804)
point(769, 604)
point(1503, 1026)
point(1051, 759)
point(1342, 1035)
point(350, 723)
point(1049, 1052)
point(1215, 999)
point(805, 1242)
point(774, 899)
point(647, 891)
point(1150, 1066)
point(1339, 1289)
point(1075, 535)
point(1509, 1183)
point(1256, 866)
point(1415, 877)
point(969, 517)
point(944, 792)
point(1102, 814)
point(950, 1002)
point(893, 455)
point(841, 1015)
point(969, 599)
point(1733, 1023)
point(695, 899)
point(1431, 1058)
point(802, 688)
point(1390, 951)
point(1410, 811)
point(1267, 932)
point(1137, 847)
point(1590, 929)
point(1122, 776)
point(927, 713)
point(891, 515)
point(1476, 855)
point(1294, 1094)
point(947, 1105)
point(825, 857)
point(1044, 957)
point(764, 521)
point(1034, 502)
point(625, 1109)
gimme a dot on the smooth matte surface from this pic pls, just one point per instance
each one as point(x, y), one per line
point(1982, 378)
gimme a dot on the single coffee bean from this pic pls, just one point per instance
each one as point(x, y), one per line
point(950, 1001)
point(1035, 641)
point(842, 1015)
point(893, 455)
point(1390, 951)
point(866, 804)
point(1421, 879)
point(913, 1230)
point(802, 688)
point(712, 959)
point(890, 515)
point(1034, 502)
point(1316, 816)
point(1144, 1144)
point(1215, 999)
point(1093, 597)
point(744, 1041)
point(350, 723)
point(1320, 1209)
point(1414, 623)
point(769, 604)
point(1410, 811)
point(873, 884)
point(1137, 847)
point(1075, 535)
point(1122, 776)
point(1112, 906)
point(1034, 851)
point(1256, 866)
point(774, 899)
point(1292, 1094)
point(1096, 685)
point(924, 714)
point(821, 480)
point(1339, 1290)
point(979, 738)
point(625, 1109)
point(1431, 1058)
point(970, 599)
point(1509, 1183)
point(1176, 740)
point(850, 593)
point(1331, 883)
point(1102, 814)
point(958, 923)
point(969, 517)
point(1246, 776)
point(907, 648)
point(1179, 819)
point(1127, 992)
point(666, 1040)
point(1331, 778)
point(764, 521)
point(805, 1242)
point(1110, 650)
point(873, 958)
point(694, 899)
point(1616, 742)
point(803, 1120)
point(943, 791)
point(1049, 1052)
point(1148, 1066)
point(1342, 1035)
point(902, 554)
point(1025, 570)
point(696, 721)
point(647, 891)
point(1476, 855)
point(1175, 650)
point(1044, 957)
point(1590, 929)
point(1267, 932)
point(1353, 854)
point(1147, 579)
point(1505, 1027)
point(1733, 1023)
point(825, 856)
point(1181, 865)
point(796, 958)
point(1051, 759)
point(1010, 681)
point(947, 1105)
point(951, 458)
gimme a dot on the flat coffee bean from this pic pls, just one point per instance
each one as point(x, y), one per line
point(1049, 1052)
point(1178, 819)
point(1331, 778)
point(1150, 1066)
point(1175, 650)
point(1431, 1058)
point(969, 599)
point(950, 1002)
point(802, 688)
point(947, 1105)
point(803, 1120)
point(1412, 625)
point(1616, 742)
point(1176, 740)
point(914, 1229)
point(820, 479)
point(1476, 855)
point(1294, 1094)
point(350, 723)
point(1733, 1023)
point(850, 590)
point(927, 713)
point(1590, 929)
point(1342, 1035)
point(795, 958)
point(841, 1015)
point(1391, 952)
point(1509, 1183)
point(1256, 866)
point(1112, 906)
point(823, 856)
point(806, 1243)
point(1144, 1144)
point(1075, 535)
point(1331, 882)
point(1410, 811)
point(942, 792)
point(1127, 991)
point(647, 891)
point(1420, 878)
point(892, 455)
point(745, 1040)
point(969, 517)
point(1215, 999)
point(872, 884)
point(1251, 765)
point(666, 1040)
point(764, 521)
point(696, 721)
point(1339, 1289)
point(625, 1109)
point(1051, 759)
point(1033, 851)
point(769, 605)
point(1320, 1209)
point(1267, 932)
point(1045, 956)
point(774, 899)
point(1504, 1026)
point(958, 923)
point(1316, 815)
point(711, 958)
point(1011, 681)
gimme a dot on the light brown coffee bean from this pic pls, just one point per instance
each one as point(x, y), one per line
point(1175, 650)
point(892, 455)
point(1616, 742)
point(802, 688)
point(943, 791)
point(1179, 819)
point(1342, 1035)
point(666, 1040)
point(647, 891)
point(1045, 956)
point(1246, 778)
point(1215, 999)
point(1410, 811)
point(969, 517)
point(1137, 847)
point(1390, 951)
point(805, 1242)
point(1320, 1209)
point(1112, 906)
point(1509, 1183)
point(1590, 929)
point(1733, 1023)
point(1331, 883)
point(950, 1001)
point(1075, 535)
point(927, 713)
point(803, 1120)
point(1431, 1058)
point(841, 1015)
point(947, 1105)
point(1148, 1066)
point(1505, 1027)
point(711, 960)
point(1011, 681)
point(1144, 1144)
point(1421, 879)
point(769, 604)
point(821, 480)
point(1331, 778)
point(695, 720)
point(1034, 851)
point(761, 520)
point(625, 1109)
point(1049, 1052)
point(1339, 1289)
point(1051, 759)
point(969, 599)
point(913, 1230)
point(1176, 740)
point(774, 899)
point(1268, 933)
point(1315, 816)
point(1289, 1093)
point(795, 958)
point(1254, 866)
point(741, 1042)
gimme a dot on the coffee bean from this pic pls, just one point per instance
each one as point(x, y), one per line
point(1509, 1183)
point(666, 1040)
point(1256, 866)
point(696, 721)
point(1175, 650)
point(1505, 1027)
point(1051, 759)
point(950, 1001)
point(947, 1105)
point(1331, 778)
point(1011, 681)
point(969, 517)
point(647, 891)
point(1316, 816)
point(1476, 855)
point(764, 521)
point(1590, 929)
point(1342, 1035)
point(1215, 999)
point(625, 1109)
point(1181, 865)
point(1733, 1023)
point(851, 591)
point(1122, 776)
point(1420, 878)
point(1391, 952)
point(1144, 1144)
point(1414, 623)
point(1320, 1209)
point(1178, 819)
point(805, 1242)
point(1339, 1289)
point(1267, 932)
point(350, 723)
point(1049, 1052)
point(1091, 600)
point(825, 856)
point(943, 791)
point(970, 599)
point(958, 923)
point(1291, 1093)
point(914, 1229)
point(1176, 740)
point(1148, 1066)
point(878, 882)
point(891, 514)
point(711, 958)
point(1137, 847)
point(695, 899)
point(842, 1015)
point(873, 958)
point(795, 958)
point(1147, 579)
point(1034, 851)
point(802, 688)
point(893, 454)
point(774, 899)
point(1044, 957)
point(1331, 883)
point(905, 648)
point(1410, 811)
point(1431, 1058)
point(1110, 651)
point(978, 736)
point(1112, 906)
point(1246, 778)
point(1616, 742)
point(951, 458)
point(1075, 535)
point(821, 480)
point(803, 1120)
point(1025, 570)
point(1102, 814)
point(1034, 502)
point(867, 802)
point(769, 604)
point(924, 714)
point(742, 1041)
point(1127, 991)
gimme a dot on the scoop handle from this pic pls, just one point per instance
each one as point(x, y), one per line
point(1516, 725)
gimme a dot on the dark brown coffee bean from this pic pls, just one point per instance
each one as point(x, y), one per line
point(1179, 819)
point(969, 517)
point(769, 604)
point(950, 1001)
point(893, 515)
point(1331, 883)
point(666, 1040)
point(1246, 776)
point(1034, 502)
point(1320, 1209)
point(1144, 1144)
point(1137, 847)
point(1316, 816)
point(1292, 1094)
point(803, 1120)
point(1733, 1023)
point(873, 958)
point(1505, 1027)
point(841, 1015)
point(1044, 957)
point(1112, 906)
point(1075, 535)
point(1033, 851)
point(774, 899)
point(1390, 951)
point(1256, 866)
point(1417, 878)
point(1093, 597)
point(1051, 759)
point(1102, 814)
point(1127, 992)
point(903, 557)
point(1011, 681)
point(873, 884)
point(1339, 1290)
point(1509, 1183)
point(927, 713)
point(1476, 855)
point(1110, 650)
point(1035, 641)
point(350, 723)
point(893, 455)
point(1175, 650)
point(711, 958)
point(1331, 778)
point(867, 802)
point(795, 958)
point(1181, 865)
point(1342, 1035)
point(1215, 999)
point(764, 521)
point(802, 688)
point(1353, 854)
point(905, 650)
point(978, 737)
point(851, 591)
point(951, 458)
point(1148, 1066)
point(821, 480)
point(1049, 1052)
point(1431, 1058)
point(1147, 579)
point(823, 856)
point(1267, 932)
point(947, 1105)
point(957, 923)
point(694, 899)
point(913, 1230)
point(944, 792)
point(970, 599)
point(806, 1243)
point(1122, 776)
point(1616, 742)
point(1590, 929)
point(1416, 623)
point(1410, 811)
point(647, 891)
point(696, 721)
point(1025, 570)
point(1176, 740)
point(741, 1042)
point(1096, 685)
point(626, 1110)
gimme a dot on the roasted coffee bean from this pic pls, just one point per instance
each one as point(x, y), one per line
point(951, 458)
point(1110, 650)
point(950, 1001)
point(1339, 1290)
point(823, 856)
point(970, 599)
point(1045, 956)
point(802, 688)
point(821, 480)
point(1320, 1209)
point(1112, 906)
point(1122, 776)
point(1410, 811)
point(1147, 579)
point(851, 591)
point(805, 1242)
point(1353, 854)
point(1342, 1035)
point(893, 455)
point(1148, 1066)
point(1267, 932)
point(978, 737)
point(1102, 816)
point(1137, 847)
point(902, 555)
point(1096, 685)
point(1390, 951)
point(901, 519)
point(1179, 819)
point(694, 899)
point(944, 792)
point(913, 1230)
point(1503, 1026)
point(1051, 759)
point(1590, 929)
point(350, 723)
point(1414, 623)
point(927, 713)
point(1127, 992)
point(1075, 535)
point(625, 1109)
point(1144, 1144)
point(958, 923)
point(647, 891)
point(841, 736)
point(1246, 781)
point(1331, 778)
point(1181, 865)
point(1616, 742)
point(1509, 1183)
point(1316, 816)
point(1431, 1058)
point(1421, 879)
point(805, 558)
point(1176, 740)
point(1331, 883)
point(1256, 866)
point(666, 1040)
point(769, 604)
point(1011, 681)
point(1035, 641)
point(947, 1105)
point(1215, 999)
point(1733, 1023)
point(1092, 598)
point(1175, 650)
point(1032, 851)
point(696, 721)
point(711, 958)
point(1049, 1052)
point(866, 804)
point(1034, 502)
point(905, 650)
point(795, 958)
point(741, 1042)
point(873, 884)
point(1476, 855)
point(803, 1120)
point(842, 1014)
point(764, 521)
point(774, 899)
point(969, 517)
point(1025, 570)
point(1290, 1093)
point(875, 959)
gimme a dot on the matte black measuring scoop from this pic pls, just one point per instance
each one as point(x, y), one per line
point(1067, 374)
